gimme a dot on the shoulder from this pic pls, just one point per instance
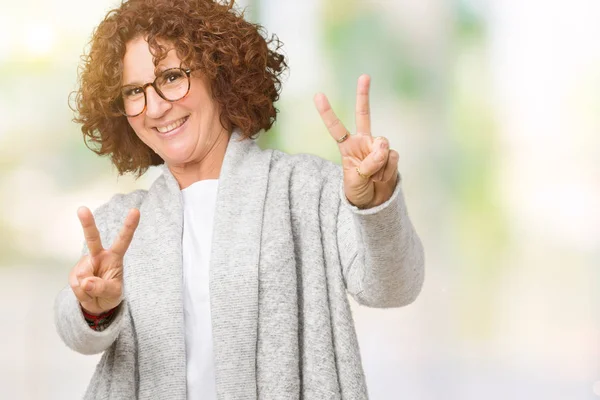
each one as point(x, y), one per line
point(305, 166)
point(307, 178)
point(114, 211)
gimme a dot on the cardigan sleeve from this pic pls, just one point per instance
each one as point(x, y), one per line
point(74, 330)
point(381, 254)
point(68, 316)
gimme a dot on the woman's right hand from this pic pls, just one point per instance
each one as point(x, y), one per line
point(97, 279)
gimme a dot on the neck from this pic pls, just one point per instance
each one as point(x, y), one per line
point(208, 167)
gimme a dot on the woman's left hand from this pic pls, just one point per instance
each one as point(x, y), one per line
point(370, 167)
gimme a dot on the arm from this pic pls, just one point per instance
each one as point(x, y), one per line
point(96, 281)
point(382, 256)
point(75, 331)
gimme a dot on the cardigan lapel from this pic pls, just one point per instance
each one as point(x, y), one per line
point(154, 278)
point(153, 285)
point(234, 266)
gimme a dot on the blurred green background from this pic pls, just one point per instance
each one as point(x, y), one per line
point(493, 107)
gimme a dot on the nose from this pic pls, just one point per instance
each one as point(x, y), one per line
point(156, 106)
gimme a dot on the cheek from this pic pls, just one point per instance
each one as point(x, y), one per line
point(189, 104)
point(136, 123)
point(198, 101)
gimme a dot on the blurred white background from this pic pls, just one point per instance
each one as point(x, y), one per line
point(494, 109)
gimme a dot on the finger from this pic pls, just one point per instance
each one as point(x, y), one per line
point(81, 294)
point(75, 284)
point(98, 287)
point(374, 162)
point(84, 268)
point(391, 168)
point(90, 231)
point(363, 113)
point(378, 177)
point(380, 142)
point(335, 127)
point(123, 240)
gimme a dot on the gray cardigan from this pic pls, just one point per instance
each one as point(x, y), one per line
point(287, 246)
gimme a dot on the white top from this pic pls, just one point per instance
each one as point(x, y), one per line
point(199, 201)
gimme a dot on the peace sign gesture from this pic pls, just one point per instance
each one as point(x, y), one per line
point(370, 167)
point(97, 279)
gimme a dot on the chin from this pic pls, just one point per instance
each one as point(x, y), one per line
point(173, 159)
point(176, 150)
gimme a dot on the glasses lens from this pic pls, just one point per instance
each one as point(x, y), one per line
point(132, 100)
point(173, 84)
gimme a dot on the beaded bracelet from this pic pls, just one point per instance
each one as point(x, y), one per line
point(99, 322)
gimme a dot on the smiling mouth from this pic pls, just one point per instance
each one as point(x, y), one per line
point(172, 126)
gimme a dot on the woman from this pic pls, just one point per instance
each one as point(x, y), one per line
point(228, 277)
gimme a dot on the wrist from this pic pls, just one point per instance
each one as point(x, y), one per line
point(88, 312)
point(101, 321)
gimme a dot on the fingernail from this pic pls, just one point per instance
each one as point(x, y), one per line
point(89, 286)
point(383, 144)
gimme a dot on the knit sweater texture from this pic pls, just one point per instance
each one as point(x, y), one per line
point(287, 249)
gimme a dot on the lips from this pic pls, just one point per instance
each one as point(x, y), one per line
point(171, 126)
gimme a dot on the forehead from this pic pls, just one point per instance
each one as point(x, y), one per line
point(138, 65)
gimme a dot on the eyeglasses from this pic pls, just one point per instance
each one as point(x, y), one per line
point(172, 84)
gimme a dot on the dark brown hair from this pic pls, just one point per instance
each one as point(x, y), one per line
point(242, 67)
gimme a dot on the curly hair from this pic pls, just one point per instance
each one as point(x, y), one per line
point(243, 71)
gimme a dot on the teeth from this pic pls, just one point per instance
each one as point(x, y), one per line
point(168, 128)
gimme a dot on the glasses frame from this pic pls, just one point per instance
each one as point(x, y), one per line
point(156, 89)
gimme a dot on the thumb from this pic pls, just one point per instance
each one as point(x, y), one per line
point(374, 162)
point(98, 287)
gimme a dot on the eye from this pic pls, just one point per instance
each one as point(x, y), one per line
point(171, 77)
point(131, 91)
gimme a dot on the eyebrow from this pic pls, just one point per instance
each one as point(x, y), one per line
point(158, 70)
point(133, 83)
